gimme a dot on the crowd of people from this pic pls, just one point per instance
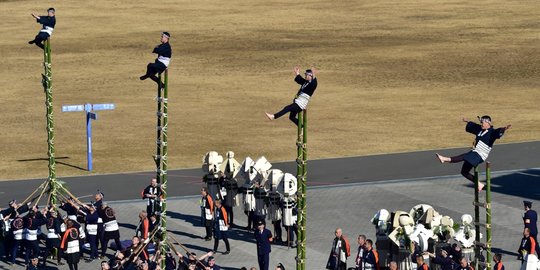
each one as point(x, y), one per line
point(448, 258)
point(76, 232)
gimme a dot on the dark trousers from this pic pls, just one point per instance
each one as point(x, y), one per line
point(6, 242)
point(152, 69)
point(251, 220)
point(223, 236)
point(291, 231)
point(230, 214)
point(208, 227)
point(264, 261)
point(277, 230)
point(466, 168)
point(92, 240)
point(100, 234)
point(106, 242)
point(31, 247)
point(38, 40)
point(15, 249)
point(293, 108)
point(73, 266)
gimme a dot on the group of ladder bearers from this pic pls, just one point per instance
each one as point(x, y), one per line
point(64, 237)
point(258, 206)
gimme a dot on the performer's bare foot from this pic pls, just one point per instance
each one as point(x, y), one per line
point(270, 116)
point(480, 186)
point(441, 158)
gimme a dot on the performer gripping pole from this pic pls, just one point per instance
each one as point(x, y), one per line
point(307, 88)
point(48, 23)
point(485, 138)
point(164, 53)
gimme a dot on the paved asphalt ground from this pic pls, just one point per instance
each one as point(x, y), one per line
point(127, 186)
point(343, 192)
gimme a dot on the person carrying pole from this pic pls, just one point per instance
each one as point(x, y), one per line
point(48, 23)
point(164, 53)
point(300, 102)
point(486, 136)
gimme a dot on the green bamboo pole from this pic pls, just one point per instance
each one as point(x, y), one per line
point(476, 219)
point(159, 129)
point(301, 172)
point(163, 169)
point(488, 217)
point(47, 86)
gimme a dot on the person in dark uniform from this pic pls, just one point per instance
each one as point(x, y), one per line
point(70, 245)
point(339, 252)
point(486, 136)
point(443, 260)
point(207, 212)
point(97, 204)
point(307, 88)
point(530, 218)
point(221, 227)
point(371, 256)
point(54, 232)
point(91, 217)
point(263, 237)
point(152, 193)
point(164, 53)
point(33, 265)
point(229, 201)
point(48, 23)
point(16, 228)
point(527, 246)
point(143, 229)
point(464, 264)
point(110, 226)
point(421, 264)
point(497, 258)
point(32, 222)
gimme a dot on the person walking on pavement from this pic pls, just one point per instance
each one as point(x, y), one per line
point(263, 238)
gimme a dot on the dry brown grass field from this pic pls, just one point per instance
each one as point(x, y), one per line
point(394, 76)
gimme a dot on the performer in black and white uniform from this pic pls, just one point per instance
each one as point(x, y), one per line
point(164, 53)
point(32, 222)
point(110, 226)
point(307, 88)
point(48, 23)
point(485, 138)
point(152, 193)
point(54, 233)
point(70, 245)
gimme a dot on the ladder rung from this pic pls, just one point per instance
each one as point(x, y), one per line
point(487, 265)
point(483, 245)
point(485, 225)
point(482, 204)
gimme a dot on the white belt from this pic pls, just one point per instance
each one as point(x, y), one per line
point(52, 234)
point(30, 235)
point(47, 30)
point(92, 229)
point(164, 60)
point(111, 226)
point(302, 100)
point(18, 234)
point(72, 247)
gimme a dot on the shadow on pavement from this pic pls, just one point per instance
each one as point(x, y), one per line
point(523, 184)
